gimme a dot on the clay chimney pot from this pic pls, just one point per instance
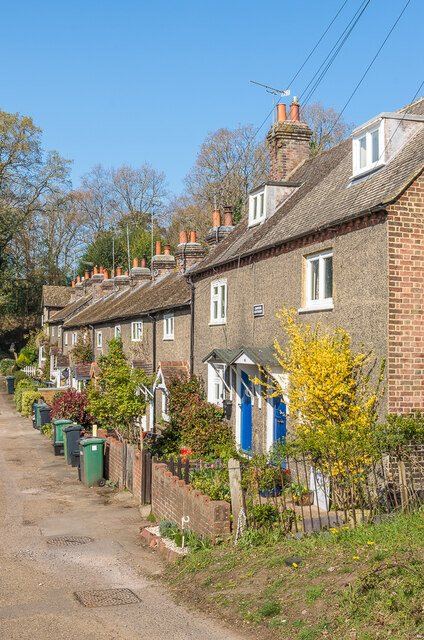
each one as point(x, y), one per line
point(143, 262)
point(102, 270)
point(125, 273)
point(294, 110)
point(78, 278)
point(73, 283)
point(192, 236)
point(86, 274)
point(119, 271)
point(95, 271)
point(281, 112)
point(158, 247)
point(184, 237)
point(135, 263)
point(106, 274)
point(228, 217)
point(167, 251)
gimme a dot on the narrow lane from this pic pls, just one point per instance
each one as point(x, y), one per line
point(41, 497)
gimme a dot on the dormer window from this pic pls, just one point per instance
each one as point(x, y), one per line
point(257, 208)
point(368, 149)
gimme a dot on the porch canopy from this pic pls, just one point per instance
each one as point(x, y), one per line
point(263, 356)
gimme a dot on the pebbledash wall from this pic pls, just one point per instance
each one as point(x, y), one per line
point(406, 300)
point(173, 498)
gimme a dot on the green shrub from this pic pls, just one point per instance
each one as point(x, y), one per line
point(28, 398)
point(47, 430)
point(11, 370)
point(20, 387)
point(20, 375)
point(22, 361)
point(5, 364)
point(212, 482)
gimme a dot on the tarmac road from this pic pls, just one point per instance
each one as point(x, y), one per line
point(40, 497)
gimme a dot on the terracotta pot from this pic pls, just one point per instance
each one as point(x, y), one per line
point(306, 498)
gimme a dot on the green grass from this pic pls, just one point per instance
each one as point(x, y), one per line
point(370, 579)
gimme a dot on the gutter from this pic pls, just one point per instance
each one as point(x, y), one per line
point(191, 283)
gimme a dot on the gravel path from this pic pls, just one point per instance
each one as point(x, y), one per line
point(40, 497)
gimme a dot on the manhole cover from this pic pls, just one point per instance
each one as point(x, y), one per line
point(106, 597)
point(69, 541)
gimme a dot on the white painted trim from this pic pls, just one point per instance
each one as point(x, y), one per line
point(321, 302)
point(357, 170)
point(133, 326)
point(219, 319)
point(170, 334)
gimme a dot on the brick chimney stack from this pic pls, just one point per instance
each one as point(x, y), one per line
point(218, 231)
point(97, 280)
point(162, 263)
point(121, 281)
point(288, 142)
point(139, 274)
point(188, 253)
point(107, 284)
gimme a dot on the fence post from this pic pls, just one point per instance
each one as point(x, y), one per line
point(403, 487)
point(236, 490)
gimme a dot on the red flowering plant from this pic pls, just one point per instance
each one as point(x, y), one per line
point(72, 405)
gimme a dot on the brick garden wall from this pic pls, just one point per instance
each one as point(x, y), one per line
point(136, 489)
point(113, 461)
point(173, 498)
point(406, 300)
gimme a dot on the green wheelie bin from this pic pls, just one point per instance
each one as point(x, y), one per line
point(58, 444)
point(91, 461)
point(10, 384)
point(36, 406)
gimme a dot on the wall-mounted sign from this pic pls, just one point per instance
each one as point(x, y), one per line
point(258, 310)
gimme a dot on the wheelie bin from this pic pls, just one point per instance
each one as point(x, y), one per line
point(91, 461)
point(58, 425)
point(10, 384)
point(71, 435)
point(36, 414)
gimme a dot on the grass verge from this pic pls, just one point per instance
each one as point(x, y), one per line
point(362, 583)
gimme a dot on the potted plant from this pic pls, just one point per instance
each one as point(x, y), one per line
point(301, 494)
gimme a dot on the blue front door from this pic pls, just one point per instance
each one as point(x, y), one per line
point(279, 427)
point(246, 415)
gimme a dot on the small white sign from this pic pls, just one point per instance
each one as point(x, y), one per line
point(258, 310)
point(94, 447)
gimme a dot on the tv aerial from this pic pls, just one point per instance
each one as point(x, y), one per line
point(282, 93)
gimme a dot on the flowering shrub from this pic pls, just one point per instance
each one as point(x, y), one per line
point(196, 422)
point(214, 483)
point(72, 405)
point(28, 397)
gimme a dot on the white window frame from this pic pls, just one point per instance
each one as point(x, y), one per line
point(257, 208)
point(74, 338)
point(66, 338)
point(137, 331)
point(366, 136)
point(99, 340)
point(321, 302)
point(216, 387)
point(118, 331)
point(219, 317)
point(52, 333)
point(168, 326)
point(59, 331)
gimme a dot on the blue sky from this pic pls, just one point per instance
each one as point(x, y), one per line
point(136, 81)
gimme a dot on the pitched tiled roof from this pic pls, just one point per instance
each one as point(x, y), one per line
point(55, 296)
point(171, 370)
point(143, 365)
point(54, 351)
point(82, 370)
point(71, 309)
point(324, 197)
point(62, 361)
point(167, 292)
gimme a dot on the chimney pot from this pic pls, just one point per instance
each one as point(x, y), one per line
point(86, 274)
point(294, 110)
point(192, 236)
point(281, 112)
point(102, 270)
point(95, 271)
point(112, 274)
point(119, 271)
point(143, 262)
point(167, 251)
point(218, 217)
point(135, 263)
point(125, 273)
point(73, 283)
point(183, 237)
point(78, 278)
point(106, 274)
point(158, 247)
point(228, 217)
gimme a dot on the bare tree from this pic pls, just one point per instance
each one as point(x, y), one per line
point(228, 165)
point(327, 125)
point(137, 193)
point(95, 200)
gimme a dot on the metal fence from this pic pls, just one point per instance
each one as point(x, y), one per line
point(306, 494)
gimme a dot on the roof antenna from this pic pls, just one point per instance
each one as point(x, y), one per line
point(275, 92)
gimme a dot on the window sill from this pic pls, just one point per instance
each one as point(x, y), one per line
point(366, 172)
point(168, 338)
point(256, 223)
point(323, 306)
point(217, 323)
point(136, 340)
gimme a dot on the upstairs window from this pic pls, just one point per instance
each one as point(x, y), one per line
point(52, 332)
point(219, 302)
point(257, 208)
point(99, 339)
point(368, 150)
point(66, 339)
point(136, 331)
point(118, 331)
point(74, 338)
point(59, 332)
point(168, 327)
point(319, 281)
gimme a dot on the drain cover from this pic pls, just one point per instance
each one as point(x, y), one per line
point(106, 597)
point(69, 541)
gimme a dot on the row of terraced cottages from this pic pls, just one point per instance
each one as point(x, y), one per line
point(339, 237)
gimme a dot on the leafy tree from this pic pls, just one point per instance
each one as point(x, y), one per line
point(82, 352)
point(118, 402)
point(329, 128)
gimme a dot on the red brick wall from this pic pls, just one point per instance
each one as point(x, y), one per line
point(406, 300)
point(137, 474)
point(172, 499)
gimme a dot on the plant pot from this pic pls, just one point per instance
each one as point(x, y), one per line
point(306, 498)
point(270, 493)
